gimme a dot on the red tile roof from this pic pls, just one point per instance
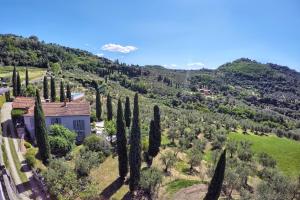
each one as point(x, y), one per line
point(23, 102)
point(59, 109)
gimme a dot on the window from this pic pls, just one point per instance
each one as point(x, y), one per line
point(55, 120)
point(78, 125)
point(31, 122)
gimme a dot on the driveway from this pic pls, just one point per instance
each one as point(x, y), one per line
point(30, 190)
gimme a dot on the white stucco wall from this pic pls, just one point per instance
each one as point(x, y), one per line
point(66, 121)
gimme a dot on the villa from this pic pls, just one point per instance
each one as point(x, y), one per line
point(72, 115)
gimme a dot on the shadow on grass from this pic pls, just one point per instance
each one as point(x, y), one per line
point(112, 188)
point(191, 172)
point(127, 196)
point(23, 187)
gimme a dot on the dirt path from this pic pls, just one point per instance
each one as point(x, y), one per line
point(29, 190)
point(191, 193)
point(6, 121)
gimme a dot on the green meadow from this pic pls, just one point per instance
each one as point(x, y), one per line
point(286, 152)
point(34, 72)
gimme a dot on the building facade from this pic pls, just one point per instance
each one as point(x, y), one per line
point(72, 115)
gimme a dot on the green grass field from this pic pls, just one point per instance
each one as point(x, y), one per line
point(178, 184)
point(286, 152)
point(34, 72)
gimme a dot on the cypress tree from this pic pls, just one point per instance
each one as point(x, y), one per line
point(155, 134)
point(14, 81)
point(157, 126)
point(18, 84)
point(127, 112)
point(216, 182)
point(121, 142)
point(53, 89)
point(41, 133)
point(26, 77)
point(151, 147)
point(98, 105)
point(135, 148)
point(46, 88)
point(109, 108)
point(62, 92)
point(69, 94)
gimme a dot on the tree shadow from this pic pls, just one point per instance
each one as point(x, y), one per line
point(23, 187)
point(127, 196)
point(25, 168)
point(7, 129)
point(112, 188)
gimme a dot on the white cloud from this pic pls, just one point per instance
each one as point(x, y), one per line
point(173, 65)
point(195, 65)
point(118, 48)
point(100, 54)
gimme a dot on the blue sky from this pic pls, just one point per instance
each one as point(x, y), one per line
point(175, 33)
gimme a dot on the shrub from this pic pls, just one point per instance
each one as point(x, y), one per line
point(61, 140)
point(96, 143)
point(86, 161)
point(266, 160)
point(93, 117)
point(61, 180)
point(30, 156)
point(59, 145)
point(15, 113)
point(151, 178)
point(27, 145)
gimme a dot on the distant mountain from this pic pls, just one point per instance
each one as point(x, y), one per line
point(268, 79)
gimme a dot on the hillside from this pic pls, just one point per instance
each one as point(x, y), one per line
point(240, 106)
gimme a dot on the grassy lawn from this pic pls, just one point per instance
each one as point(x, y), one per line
point(207, 156)
point(182, 166)
point(34, 72)
point(4, 154)
point(2, 100)
point(22, 175)
point(106, 174)
point(164, 140)
point(286, 152)
point(178, 184)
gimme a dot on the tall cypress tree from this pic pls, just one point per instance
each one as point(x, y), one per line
point(62, 92)
point(121, 142)
point(98, 105)
point(216, 182)
point(14, 81)
point(155, 134)
point(46, 88)
point(41, 133)
point(127, 112)
point(109, 108)
point(69, 94)
point(152, 146)
point(53, 89)
point(135, 147)
point(18, 84)
point(26, 77)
